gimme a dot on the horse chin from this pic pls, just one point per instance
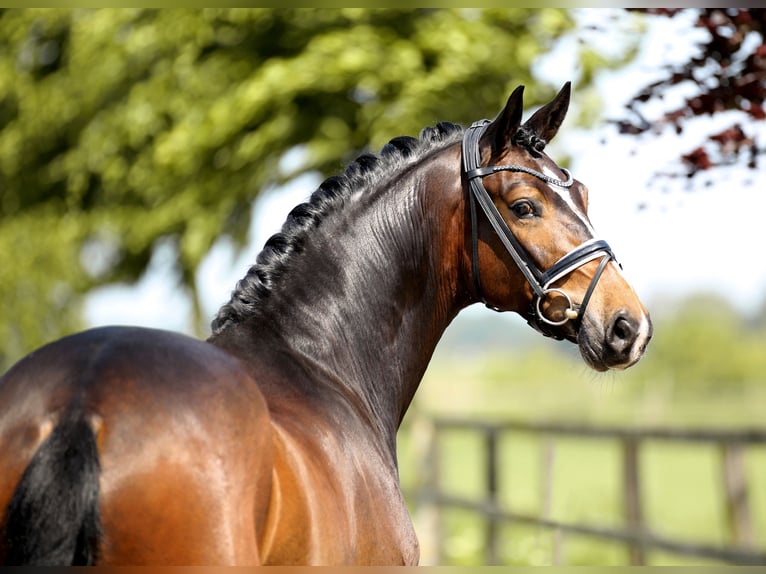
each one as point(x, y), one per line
point(591, 355)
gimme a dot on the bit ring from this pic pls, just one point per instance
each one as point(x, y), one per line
point(569, 313)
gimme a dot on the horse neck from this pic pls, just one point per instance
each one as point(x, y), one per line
point(365, 303)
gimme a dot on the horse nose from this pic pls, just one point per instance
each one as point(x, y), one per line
point(622, 336)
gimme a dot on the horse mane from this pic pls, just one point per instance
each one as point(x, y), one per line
point(363, 173)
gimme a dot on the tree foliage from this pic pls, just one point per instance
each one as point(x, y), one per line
point(122, 127)
point(727, 72)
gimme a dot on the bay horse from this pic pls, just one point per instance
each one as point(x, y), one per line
point(274, 441)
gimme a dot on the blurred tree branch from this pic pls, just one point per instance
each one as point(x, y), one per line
point(728, 72)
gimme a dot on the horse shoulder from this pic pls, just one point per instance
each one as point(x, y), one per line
point(335, 497)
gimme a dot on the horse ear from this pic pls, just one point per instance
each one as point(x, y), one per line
point(499, 133)
point(546, 121)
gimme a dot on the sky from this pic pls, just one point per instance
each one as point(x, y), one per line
point(672, 239)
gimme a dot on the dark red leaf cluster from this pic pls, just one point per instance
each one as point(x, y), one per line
point(728, 74)
point(697, 160)
point(729, 144)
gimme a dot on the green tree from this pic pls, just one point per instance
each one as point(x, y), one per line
point(120, 128)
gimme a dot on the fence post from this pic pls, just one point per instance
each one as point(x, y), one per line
point(549, 456)
point(490, 446)
point(425, 435)
point(736, 494)
point(632, 501)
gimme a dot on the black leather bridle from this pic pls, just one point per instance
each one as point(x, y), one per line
point(540, 281)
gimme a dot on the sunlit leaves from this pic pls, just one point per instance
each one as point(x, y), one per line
point(120, 128)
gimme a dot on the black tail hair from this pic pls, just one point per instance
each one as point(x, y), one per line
point(53, 517)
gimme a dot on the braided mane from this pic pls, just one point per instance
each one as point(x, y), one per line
point(362, 174)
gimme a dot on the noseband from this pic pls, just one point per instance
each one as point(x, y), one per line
point(540, 281)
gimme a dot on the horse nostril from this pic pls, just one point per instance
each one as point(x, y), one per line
point(622, 328)
point(621, 335)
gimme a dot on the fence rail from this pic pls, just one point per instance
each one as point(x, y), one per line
point(636, 536)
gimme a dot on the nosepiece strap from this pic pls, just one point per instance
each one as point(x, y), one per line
point(591, 249)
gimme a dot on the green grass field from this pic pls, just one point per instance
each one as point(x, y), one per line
point(681, 482)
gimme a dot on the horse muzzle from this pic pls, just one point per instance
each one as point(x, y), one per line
point(616, 343)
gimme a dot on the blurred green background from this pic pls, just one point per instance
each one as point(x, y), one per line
point(128, 133)
point(705, 368)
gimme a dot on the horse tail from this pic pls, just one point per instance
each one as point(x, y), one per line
point(53, 517)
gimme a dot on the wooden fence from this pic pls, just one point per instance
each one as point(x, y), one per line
point(634, 534)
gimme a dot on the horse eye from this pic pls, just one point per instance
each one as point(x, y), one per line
point(523, 208)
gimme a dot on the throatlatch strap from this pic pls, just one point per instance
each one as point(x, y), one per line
point(471, 161)
point(471, 156)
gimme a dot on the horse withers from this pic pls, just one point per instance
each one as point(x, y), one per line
point(274, 441)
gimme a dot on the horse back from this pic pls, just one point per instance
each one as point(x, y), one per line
point(182, 433)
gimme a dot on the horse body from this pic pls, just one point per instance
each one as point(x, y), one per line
point(274, 442)
point(193, 449)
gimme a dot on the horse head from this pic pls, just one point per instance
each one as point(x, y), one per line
point(534, 250)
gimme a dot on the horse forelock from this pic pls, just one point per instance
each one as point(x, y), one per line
point(363, 174)
point(529, 140)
